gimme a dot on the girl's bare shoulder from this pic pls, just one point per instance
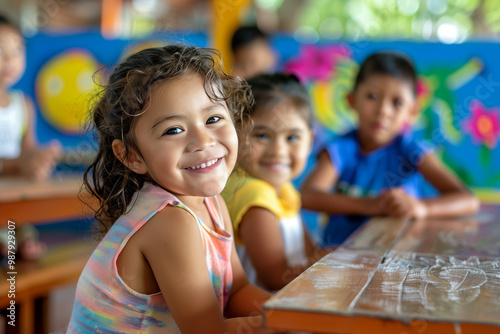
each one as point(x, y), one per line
point(172, 225)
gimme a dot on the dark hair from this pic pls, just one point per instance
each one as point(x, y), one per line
point(246, 35)
point(390, 63)
point(5, 21)
point(270, 89)
point(126, 97)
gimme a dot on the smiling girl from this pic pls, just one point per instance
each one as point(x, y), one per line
point(167, 144)
point(275, 140)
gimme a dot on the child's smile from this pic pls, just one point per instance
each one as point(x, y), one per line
point(276, 166)
point(205, 167)
point(187, 145)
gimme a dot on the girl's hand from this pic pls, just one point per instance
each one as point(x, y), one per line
point(397, 203)
point(38, 163)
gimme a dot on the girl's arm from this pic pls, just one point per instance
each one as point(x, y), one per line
point(29, 141)
point(313, 252)
point(246, 299)
point(454, 198)
point(173, 247)
point(261, 235)
point(316, 193)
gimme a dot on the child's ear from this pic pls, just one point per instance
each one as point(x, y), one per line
point(312, 134)
point(133, 160)
point(350, 99)
point(414, 112)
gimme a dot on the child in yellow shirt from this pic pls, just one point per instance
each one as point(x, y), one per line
point(275, 140)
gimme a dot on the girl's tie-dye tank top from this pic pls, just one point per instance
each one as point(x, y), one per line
point(105, 304)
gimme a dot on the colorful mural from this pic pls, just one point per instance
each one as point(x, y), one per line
point(462, 123)
point(62, 73)
point(457, 90)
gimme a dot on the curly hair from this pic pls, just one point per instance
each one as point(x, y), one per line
point(125, 97)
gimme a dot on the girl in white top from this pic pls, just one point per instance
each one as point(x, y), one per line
point(19, 154)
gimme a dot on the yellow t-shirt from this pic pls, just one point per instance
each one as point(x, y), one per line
point(243, 192)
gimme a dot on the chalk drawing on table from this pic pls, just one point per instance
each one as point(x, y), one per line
point(408, 283)
point(457, 281)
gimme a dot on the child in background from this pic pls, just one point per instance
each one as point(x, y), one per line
point(275, 139)
point(252, 53)
point(167, 144)
point(19, 153)
point(374, 168)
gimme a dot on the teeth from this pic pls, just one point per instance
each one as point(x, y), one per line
point(278, 166)
point(204, 165)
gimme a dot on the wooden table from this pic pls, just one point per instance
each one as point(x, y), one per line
point(397, 276)
point(25, 202)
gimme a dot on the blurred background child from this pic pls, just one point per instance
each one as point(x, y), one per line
point(19, 153)
point(275, 140)
point(252, 52)
point(373, 169)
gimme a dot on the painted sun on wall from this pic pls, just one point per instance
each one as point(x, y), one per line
point(68, 83)
point(459, 112)
point(65, 86)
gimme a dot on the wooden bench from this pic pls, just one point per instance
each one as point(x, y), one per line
point(34, 280)
point(24, 202)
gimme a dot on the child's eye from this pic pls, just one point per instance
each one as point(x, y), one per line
point(172, 131)
point(398, 102)
point(372, 96)
point(213, 119)
point(293, 138)
point(262, 136)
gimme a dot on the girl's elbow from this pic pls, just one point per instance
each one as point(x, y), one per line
point(273, 280)
point(271, 283)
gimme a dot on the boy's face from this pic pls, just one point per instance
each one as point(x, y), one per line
point(385, 105)
point(254, 58)
point(276, 148)
point(12, 51)
point(188, 144)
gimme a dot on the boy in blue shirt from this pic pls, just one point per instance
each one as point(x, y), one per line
point(373, 170)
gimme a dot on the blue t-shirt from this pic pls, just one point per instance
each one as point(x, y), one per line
point(367, 174)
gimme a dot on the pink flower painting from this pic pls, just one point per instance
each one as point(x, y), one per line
point(483, 124)
point(317, 62)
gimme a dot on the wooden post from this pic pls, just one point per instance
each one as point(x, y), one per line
point(111, 13)
point(225, 22)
